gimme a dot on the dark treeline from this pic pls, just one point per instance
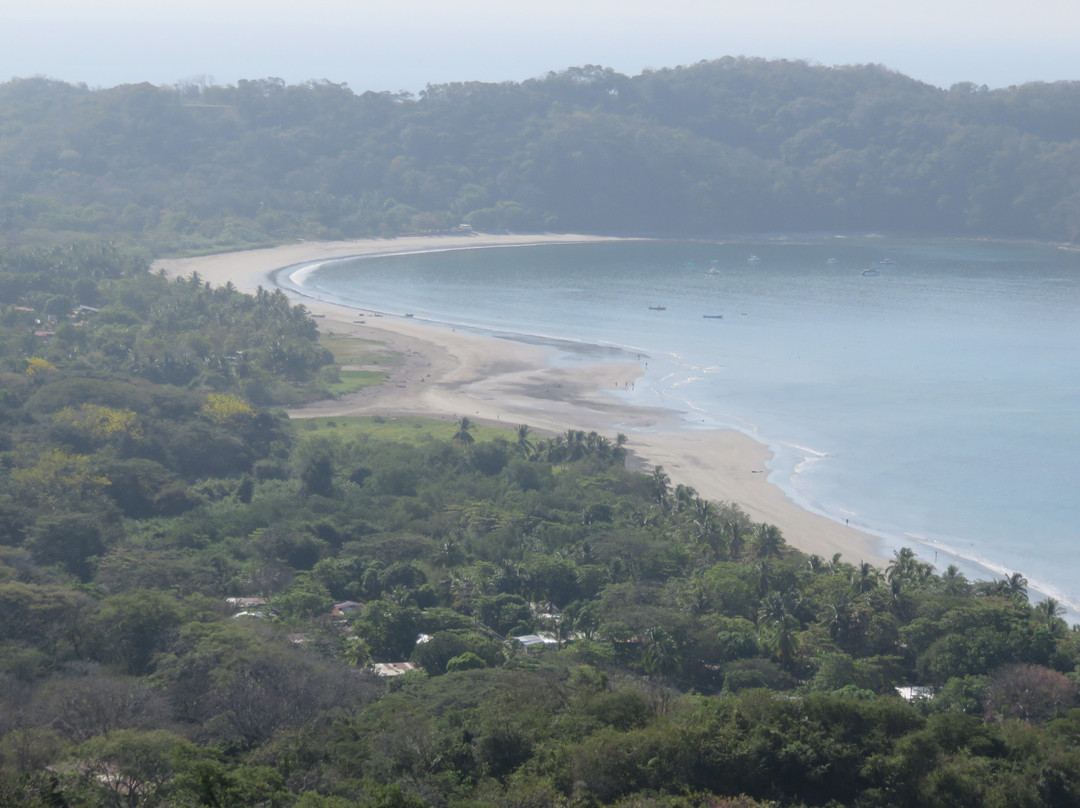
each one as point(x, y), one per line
point(729, 145)
point(583, 635)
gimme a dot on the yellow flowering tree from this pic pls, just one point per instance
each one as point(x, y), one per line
point(59, 475)
point(36, 366)
point(101, 423)
point(225, 409)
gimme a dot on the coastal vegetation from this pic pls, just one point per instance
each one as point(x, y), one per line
point(730, 145)
point(196, 597)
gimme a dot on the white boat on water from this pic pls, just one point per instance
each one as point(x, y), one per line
point(753, 259)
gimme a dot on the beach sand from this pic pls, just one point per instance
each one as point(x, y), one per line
point(444, 373)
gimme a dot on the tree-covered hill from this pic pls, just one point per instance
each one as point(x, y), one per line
point(729, 145)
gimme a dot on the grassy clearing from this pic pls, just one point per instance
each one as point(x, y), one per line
point(353, 380)
point(404, 429)
point(355, 351)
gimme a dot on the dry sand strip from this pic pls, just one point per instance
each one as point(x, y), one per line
point(447, 374)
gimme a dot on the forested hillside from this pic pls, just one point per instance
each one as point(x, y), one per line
point(730, 145)
point(199, 600)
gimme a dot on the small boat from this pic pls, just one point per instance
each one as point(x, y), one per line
point(713, 269)
point(408, 315)
point(885, 262)
point(657, 308)
point(832, 261)
point(753, 259)
point(713, 316)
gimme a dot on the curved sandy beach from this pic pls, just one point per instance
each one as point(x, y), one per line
point(446, 374)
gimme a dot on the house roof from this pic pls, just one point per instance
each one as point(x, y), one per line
point(915, 692)
point(387, 669)
point(245, 603)
point(345, 607)
point(529, 640)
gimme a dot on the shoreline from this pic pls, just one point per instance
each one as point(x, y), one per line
point(446, 373)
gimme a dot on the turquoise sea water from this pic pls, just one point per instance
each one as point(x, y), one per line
point(927, 391)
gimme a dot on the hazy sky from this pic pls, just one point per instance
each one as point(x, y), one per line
point(406, 44)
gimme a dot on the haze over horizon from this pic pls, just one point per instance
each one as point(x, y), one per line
point(405, 45)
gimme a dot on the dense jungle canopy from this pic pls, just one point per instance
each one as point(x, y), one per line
point(735, 144)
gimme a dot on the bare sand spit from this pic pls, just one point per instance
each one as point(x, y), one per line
point(447, 374)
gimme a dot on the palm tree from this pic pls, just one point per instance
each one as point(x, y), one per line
point(778, 629)
point(836, 617)
point(737, 543)
point(462, 592)
point(764, 569)
point(661, 653)
point(575, 444)
point(595, 444)
point(1049, 611)
point(907, 568)
point(449, 553)
point(836, 564)
point(709, 533)
point(903, 562)
point(954, 581)
point(1016, 586)
point(619, 453)
point(899, 598)
point(684, 496)
point(704, 511)
point(660, 484)
point(463, 438)
point(356, 652)
point(524, 445)
point(769, 541)
point(773, 608)
point(865, 579)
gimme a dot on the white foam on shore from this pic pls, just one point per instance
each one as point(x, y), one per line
point(973, 560)
point(299, 276)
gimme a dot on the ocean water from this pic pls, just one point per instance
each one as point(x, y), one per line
point(928, 391)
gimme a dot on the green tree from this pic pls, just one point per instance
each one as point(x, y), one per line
point(390, 630)
point(131, 768)
point(769, 542)
point(132, 628)
point(661, 654)
point(435, 655)
point(463, 436)
point(525, 446)
point(305, 599)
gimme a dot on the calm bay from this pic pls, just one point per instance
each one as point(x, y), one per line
point(925, 391)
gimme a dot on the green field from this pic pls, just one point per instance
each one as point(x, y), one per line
point(408, 429)
point(353, 380)
point(358, 351)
